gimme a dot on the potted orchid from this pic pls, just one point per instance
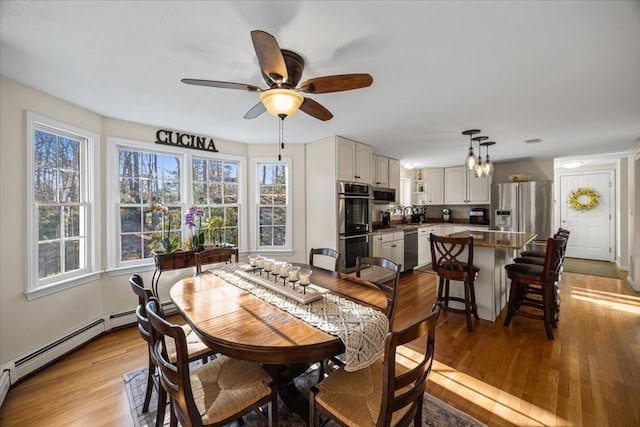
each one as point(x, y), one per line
point(193, 219)
point(165, 244)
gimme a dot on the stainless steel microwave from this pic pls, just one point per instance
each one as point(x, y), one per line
point(384, 195)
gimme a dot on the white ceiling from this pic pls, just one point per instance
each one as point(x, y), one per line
point(565, 72)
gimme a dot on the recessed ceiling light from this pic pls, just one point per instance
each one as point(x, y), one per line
point(571, 165)
point(533, 141)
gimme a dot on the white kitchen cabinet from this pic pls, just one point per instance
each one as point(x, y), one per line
point(354, 161)
point(434, 186)
point(394, 176)
point(424, 250)
point(388, 245)
point(381, 171)
point(463, 188)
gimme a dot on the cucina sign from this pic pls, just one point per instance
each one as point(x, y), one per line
point(186, 140)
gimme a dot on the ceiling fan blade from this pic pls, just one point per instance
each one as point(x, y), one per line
point(224, 85)
point(336, 83)
point(255, 111)
point(269, 56)
point(316, 110)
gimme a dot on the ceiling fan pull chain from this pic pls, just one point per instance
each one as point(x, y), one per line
point(280, 137)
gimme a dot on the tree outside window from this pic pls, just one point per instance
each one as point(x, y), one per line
point(272, 205)
point(215, 191)
point(147, 178)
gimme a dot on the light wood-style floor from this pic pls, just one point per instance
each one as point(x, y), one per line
point(588, 376)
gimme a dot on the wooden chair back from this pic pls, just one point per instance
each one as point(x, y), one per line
point(553, 260)
point(447, 259)
point(328, 252)
point(394, 394)
point(137, 286)
point(389, 288)
point(215, 255)
point(174, 375)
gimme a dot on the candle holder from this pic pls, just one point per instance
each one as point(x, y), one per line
point(284, 272)
point(253, 262)
point(293, 275)
point(305, 279)
point(268, 266)
point(275, 271)
point(260, 264)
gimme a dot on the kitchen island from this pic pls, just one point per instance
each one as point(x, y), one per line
point(492, 250)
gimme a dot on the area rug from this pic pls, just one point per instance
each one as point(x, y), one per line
point(435, 412)
point(593, 268)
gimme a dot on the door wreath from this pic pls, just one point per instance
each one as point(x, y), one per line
point(584, 199)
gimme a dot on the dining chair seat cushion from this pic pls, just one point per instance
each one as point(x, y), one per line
point(226, 386)
point(354, 398)
point(195, 347)
point(537, 254)
point(525, 269)
point(530, 260)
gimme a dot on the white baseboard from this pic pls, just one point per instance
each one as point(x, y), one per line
point(5, 383)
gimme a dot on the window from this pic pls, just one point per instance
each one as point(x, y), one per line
point(405, 192)
point(61, 205)
point(215, 191)
point(147, 178)
point(145, 175)
point(273, 206)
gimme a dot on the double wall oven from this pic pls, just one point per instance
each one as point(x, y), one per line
point(354, 223)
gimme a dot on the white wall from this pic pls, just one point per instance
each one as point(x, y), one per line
point(26, 326)
point(540, 169)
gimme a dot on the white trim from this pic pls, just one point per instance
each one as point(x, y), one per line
point(34, 287)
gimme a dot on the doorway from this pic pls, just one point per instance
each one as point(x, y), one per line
point(592, 230)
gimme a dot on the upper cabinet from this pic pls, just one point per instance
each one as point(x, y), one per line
point(430, 189)
point(381, 171)
point(462, 187)
point(394, 175)
point(354, 161)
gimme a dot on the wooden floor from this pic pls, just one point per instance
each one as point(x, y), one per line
point(588, 376)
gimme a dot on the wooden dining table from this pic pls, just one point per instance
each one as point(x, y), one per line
point(239, 324)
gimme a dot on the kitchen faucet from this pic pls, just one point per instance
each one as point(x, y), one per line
point(404, 216)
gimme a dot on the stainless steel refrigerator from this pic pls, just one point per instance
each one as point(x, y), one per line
point(523, 206)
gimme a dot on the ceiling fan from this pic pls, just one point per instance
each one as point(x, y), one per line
point(282, 70)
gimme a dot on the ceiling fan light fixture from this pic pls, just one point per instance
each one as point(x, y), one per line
point(279, 102)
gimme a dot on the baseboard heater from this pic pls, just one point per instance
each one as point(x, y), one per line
point(126, 318)
point(5, 383)
point(51, 352)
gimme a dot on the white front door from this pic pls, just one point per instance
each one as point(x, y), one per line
point(591, 230)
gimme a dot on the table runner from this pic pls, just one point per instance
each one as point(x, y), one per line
point(362, 329)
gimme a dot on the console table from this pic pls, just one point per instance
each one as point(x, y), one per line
point(172, 261)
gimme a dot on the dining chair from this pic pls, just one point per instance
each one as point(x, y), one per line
point(388, 392)
point(324, 252)
point(534, 286)
point(449, 263)
point(215, 256)
point(389, 288)
point(217, 392)
point(196, 348)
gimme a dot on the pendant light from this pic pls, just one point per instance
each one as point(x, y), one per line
point(478, 169)
point(488, 165)
point(471, 160)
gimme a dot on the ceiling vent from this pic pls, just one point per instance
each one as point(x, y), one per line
point(533, 141)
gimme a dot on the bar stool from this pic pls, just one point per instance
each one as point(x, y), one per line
point(535, 286)
point(445, 262)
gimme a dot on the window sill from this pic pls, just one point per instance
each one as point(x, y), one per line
point(53, 288)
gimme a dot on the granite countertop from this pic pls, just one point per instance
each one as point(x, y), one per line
point(497, 239)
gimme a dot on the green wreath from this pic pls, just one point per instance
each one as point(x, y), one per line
point(576, 199)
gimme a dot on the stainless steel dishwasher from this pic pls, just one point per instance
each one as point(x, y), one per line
point(410, 248)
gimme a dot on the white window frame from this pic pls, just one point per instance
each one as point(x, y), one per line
point(90, 173)
point(114, 265)
point(287, 249)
